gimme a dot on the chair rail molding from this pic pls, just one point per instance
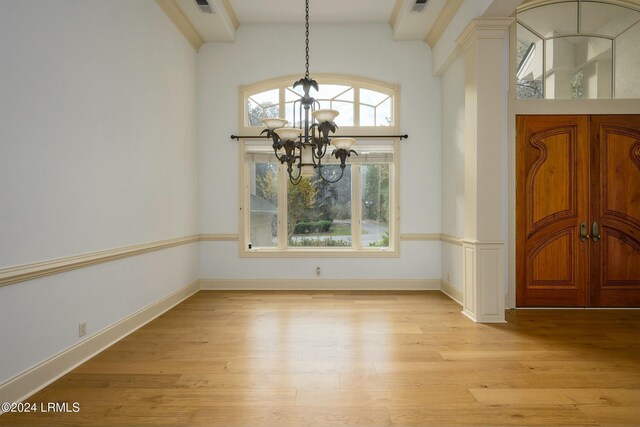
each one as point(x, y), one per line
point(219, 237)
point(419, 236)
point(34, 270)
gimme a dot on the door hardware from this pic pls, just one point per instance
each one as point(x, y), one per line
point(584, 232)
point(595, 234)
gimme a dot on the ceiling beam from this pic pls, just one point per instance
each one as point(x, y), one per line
point(446, 15)
point(231, 14)
point(394, 14)
point(182, 23)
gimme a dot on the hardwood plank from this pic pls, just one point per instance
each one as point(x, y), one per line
point(189, 397)
point(490, 416)
point(613, 415)
point(510, 396)
point(274, 366)
point(453, 397)
point(355, 358)
point(605, 397)
point(257, 381)
point(292, 416)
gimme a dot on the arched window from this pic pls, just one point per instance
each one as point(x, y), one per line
point(356, 216)
point(361, 102)
point(578, 49)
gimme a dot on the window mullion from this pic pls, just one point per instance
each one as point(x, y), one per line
point(281, 103)
point(356, 105)
point(356, 206)
point(282, 208)
point(245, 202)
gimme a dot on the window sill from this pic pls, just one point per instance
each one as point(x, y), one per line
point(320, 253)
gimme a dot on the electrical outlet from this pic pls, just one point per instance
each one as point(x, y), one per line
point(82, 329)
point(317, 271)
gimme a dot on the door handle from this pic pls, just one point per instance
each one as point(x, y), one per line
point(595, 234)
point(584, 232)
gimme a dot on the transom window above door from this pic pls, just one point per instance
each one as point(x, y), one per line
point(579, 49)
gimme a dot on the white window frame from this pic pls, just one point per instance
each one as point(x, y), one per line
point(357, 83)
point(252, 133)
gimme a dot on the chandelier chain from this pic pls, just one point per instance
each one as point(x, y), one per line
point(306, 74)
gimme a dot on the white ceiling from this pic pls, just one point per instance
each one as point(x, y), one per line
point(415, 26)
point(293, 11)
point(407, 25)
point(216, 26)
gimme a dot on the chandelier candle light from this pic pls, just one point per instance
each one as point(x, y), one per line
point(305, 152)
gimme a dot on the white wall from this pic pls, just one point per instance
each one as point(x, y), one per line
point(628, 64)
point(453, 87)
point(261, 52)
point(97, 151)
point(453, 90)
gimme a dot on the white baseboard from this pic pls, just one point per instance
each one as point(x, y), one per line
point(31, 381)
point(451, 291)
point(320, 284)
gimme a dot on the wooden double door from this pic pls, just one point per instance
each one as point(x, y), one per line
point(578, 211)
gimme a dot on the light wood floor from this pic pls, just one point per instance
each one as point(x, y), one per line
point(355, 359)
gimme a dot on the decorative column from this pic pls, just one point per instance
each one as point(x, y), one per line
point(486, 53)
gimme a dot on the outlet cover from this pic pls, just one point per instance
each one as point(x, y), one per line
point(82, 329)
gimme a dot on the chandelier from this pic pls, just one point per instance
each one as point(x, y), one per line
point(303, 148)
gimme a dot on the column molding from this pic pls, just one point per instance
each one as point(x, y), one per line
point(486, 115)
point(483, 277)
point(484, 28)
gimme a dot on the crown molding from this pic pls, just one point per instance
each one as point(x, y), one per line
point(484, 28)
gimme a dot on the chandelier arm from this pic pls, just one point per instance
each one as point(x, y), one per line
point(321, 155)
point(296, 180)
point(275, 151)
point(328, 181)
point(314, 157)
point(313, 141)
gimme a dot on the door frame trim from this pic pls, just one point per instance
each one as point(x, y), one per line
point(540, 107)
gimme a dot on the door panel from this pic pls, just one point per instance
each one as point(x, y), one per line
point(548, 261)
point(615, 183)
point(552, 168)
